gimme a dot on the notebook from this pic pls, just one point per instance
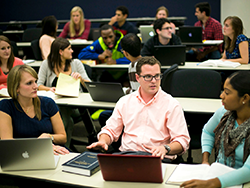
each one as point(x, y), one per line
point(170, 54)
point(147, 31)
point(27, 154)
point(105, 91)
point(130, 168)
point(190, 34)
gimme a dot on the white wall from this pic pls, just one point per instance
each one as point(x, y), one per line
point(240, 8)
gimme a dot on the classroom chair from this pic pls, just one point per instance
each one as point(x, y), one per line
point(36, 49)
point(196, 84)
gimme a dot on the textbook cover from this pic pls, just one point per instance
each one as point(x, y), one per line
point(84, 164)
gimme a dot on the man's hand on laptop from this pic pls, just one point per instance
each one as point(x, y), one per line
point(98, 146)
point(156, 150)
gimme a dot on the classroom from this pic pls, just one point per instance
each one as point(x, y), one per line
point(84, 77)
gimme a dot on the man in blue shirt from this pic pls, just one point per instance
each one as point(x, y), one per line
point(107, 48)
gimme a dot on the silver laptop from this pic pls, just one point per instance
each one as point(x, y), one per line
point(190, 34)
point(27, 154)
point(147, 31)
point(105, 91)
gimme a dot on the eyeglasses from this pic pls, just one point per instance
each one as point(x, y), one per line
point(149, 77)
point(166, 28)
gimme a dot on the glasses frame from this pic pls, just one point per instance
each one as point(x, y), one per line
point(144, 77)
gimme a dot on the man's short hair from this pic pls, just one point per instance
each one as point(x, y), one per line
point(146, 60)
point(106, 27)
point(123, 9)
point(159, 23)
point(131, 43)
point(204, 6)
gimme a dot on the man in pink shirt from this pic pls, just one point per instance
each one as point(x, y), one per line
point(152, 120)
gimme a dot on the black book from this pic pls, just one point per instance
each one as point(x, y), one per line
point(83, 164)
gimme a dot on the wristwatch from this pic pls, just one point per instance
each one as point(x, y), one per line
point(167, 147)
point(52, 137)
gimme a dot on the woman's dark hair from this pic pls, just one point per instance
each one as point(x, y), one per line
point(240, 81)
point(12, 57)
point(49, 25)
point(237, 26)
point(54, 58)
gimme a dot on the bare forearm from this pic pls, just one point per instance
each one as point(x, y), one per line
point(42, 87)
point(105, 139)
point(205, 157)
point(176, 148)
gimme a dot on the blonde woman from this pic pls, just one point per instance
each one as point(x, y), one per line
point(27, 115)
point(77, 27)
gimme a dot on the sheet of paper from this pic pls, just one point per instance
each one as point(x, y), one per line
point(67, 86)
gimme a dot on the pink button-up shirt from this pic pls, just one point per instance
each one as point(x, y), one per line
point(159, 122)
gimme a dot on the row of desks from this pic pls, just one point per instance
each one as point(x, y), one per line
point(195, 105)
point(188, 65)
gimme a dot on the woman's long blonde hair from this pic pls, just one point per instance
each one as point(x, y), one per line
point(72, 24)
point(13, 83)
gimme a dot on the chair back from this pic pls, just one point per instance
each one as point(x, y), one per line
point(31, 34)
point(196, 83)
point(15, 48)
point(36, 49)
point(88, 70)
point(167, 78)
point(94, 34)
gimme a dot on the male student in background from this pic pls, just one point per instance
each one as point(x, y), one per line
point(163, 36)
point(211, 30)
point(107, 48)
point(131, 45)
point(152, 120)
point(119, 21)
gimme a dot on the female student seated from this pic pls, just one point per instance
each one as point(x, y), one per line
point(77, 27)
point(229, 131)
point(27, 115)
point(237, 47)
point(162, 12)
point(60, 61)
point(7, 60)
point(49, 28)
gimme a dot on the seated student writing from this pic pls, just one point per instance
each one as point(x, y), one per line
point(27, 115)
point(7, 60)
point(228, 131)
point(237, 46)
point(153, 121)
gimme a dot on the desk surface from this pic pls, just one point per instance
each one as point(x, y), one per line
point(96, 180)
point(196, 105)
point(188, 65)
point(76, 42)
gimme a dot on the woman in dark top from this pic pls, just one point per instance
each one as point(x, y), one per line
point(26, 115)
